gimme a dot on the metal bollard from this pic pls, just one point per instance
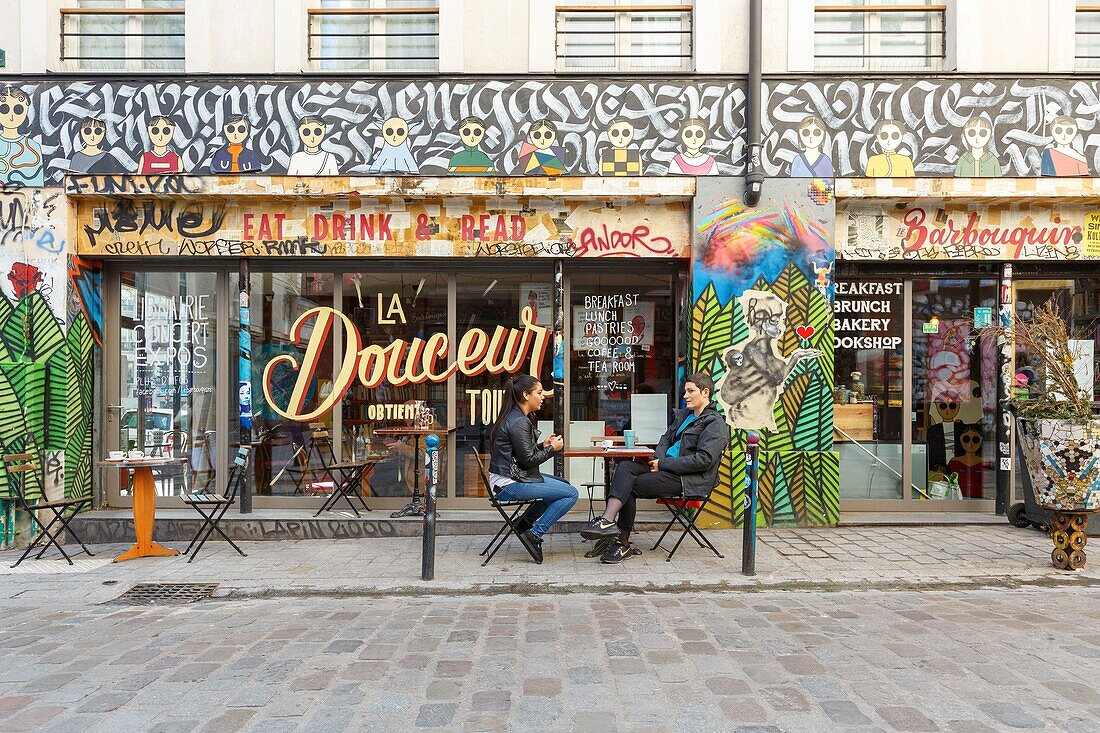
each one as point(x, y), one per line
point(752, 492)
point(431, 473)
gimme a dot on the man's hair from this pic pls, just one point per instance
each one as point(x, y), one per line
point(702, 381)
point(472, 121)
point(232, 119)
point(311, 120)
point(160, 118)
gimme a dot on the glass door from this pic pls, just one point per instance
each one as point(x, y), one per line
point(162, 373)
point(954, 389)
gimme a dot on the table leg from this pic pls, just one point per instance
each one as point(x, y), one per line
point(144, 515)
point(414, 508)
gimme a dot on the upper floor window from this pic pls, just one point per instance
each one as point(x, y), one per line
point(374, 35)
point(880, 35)
point(123, 35)
point(1087, 37)
point(624, 36)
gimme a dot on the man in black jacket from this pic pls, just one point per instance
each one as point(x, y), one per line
point(685, 464)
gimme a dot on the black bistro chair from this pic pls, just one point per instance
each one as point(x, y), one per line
point(504, 507)
point(212, 507)
point(685, 511)
point(24, 476)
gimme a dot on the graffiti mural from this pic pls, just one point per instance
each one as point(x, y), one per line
point(761, 324)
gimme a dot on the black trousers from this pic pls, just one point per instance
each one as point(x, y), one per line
point(634, 480)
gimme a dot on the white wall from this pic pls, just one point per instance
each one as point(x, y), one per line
point(494, 39)
point(232, 37)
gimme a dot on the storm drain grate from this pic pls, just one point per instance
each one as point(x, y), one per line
point(166, 594)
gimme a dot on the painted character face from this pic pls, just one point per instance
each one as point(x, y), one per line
point(395, 131)
point(811, 136)
point(542, 137)
point(766, 316)
point(471, 134)
point(92, 134)
point(620, 134)
point(971, 441)
point(312, 134)
point(889, 138)
point(977, 137)
point(1064, 133)
point(236, 132)
point(160, 133)
point(693, 137)
point(13, 112)
point(948, 407)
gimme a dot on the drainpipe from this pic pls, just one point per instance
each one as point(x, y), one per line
point(754, 179)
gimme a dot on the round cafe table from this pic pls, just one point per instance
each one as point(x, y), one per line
point(416, 506)
point(144, 505)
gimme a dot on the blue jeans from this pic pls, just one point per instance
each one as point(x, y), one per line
point(556, 497)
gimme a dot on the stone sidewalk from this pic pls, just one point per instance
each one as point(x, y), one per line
point(885, 557)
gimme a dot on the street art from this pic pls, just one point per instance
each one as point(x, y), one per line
point(692, 160)
point(889, 163)
point(756, 273)
point(812, 162)
point(1061, 158)
point(20, 154)
point(311, 160)
point(92, 156)
point(978, 161)
point(471, 160)
point(159, 158)
point(235, 157)
point(395, 155)
point(539, 155)
point(621, 159)
point(756, 373)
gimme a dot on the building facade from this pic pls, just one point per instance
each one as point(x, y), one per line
point(359, 214)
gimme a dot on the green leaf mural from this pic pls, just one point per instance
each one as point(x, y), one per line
point(58, 375)
point(80, 345)
point(711, 329)
point(32, 332)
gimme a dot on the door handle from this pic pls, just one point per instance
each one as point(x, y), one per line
point(110, 409)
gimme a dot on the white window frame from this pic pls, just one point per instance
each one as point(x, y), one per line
point(134, 48)
point(379, 63)
point(1079, 63)
point(873, 38)
point(622, 35)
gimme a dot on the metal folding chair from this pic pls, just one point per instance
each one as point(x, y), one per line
point(212, 507)
point(23, 468)
point(502, 506)
point(686, 510)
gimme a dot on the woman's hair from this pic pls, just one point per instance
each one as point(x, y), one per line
point(810, 121)
point(702, 381)
point(514, 389)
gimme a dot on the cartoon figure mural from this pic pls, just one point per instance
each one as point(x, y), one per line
point(691, 160)
point(978, 161)
point(812, 162)
point(20, 154)
point(396, 155)
point(1061, 158)
point(311, 160)
point(756, 373)
point(889, 163)
point(92, 156)
point(943, 436)
point(969, 463)
point(160, 159)
point(234, 156)
point(621, 159)
point(471, 160)
point(539, 155)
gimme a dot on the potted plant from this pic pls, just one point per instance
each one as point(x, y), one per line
point(1057, 433)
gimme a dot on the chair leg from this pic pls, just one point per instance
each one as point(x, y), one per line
point(663, 534)
point(509, 529)
point(202, 528)
point(66, 528)
point(218, 529)
point(202, 540)
point(44, 533)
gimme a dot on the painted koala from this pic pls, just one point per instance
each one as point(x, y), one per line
point(755, 370)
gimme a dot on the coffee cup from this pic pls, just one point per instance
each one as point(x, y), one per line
point(607, 444)
point(628, 438)
point(136, 453)
point(116, 455)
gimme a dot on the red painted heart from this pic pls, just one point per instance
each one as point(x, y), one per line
point(805, 332)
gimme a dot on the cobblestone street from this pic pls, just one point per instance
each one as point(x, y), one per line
point(962, 661)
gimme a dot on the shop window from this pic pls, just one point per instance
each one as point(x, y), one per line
point(1078, 300)
point(622, 357)
point(617, 37)
point(286, 462)
point(386, 308)
point(168, 337)
point(872, 36)
point(488, 302)
point(374, 35)
point(868, 411)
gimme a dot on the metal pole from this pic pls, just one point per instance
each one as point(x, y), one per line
point(754, 178)
point(1006, 373)
point(752, 485)
point(244, 375)
point(558, 370)
point(431, 472)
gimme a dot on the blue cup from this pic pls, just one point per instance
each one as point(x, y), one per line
point(628, 438)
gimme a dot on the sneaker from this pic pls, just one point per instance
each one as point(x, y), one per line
point(599, 548)
point(533, 543)
point(599, 528)
point(618, 553)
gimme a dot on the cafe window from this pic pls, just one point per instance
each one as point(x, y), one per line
point(488, 302)
point(166, 377)
point(622, 359)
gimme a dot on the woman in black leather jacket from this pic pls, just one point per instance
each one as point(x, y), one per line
point(515, 460)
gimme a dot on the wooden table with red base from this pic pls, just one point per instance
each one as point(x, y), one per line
point(144, 506)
